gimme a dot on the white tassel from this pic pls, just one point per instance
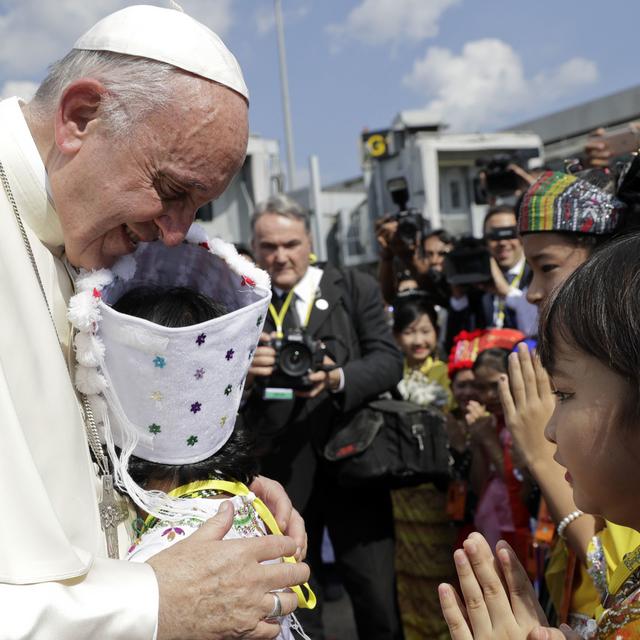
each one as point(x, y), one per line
point(89, 349)
point(83, 311)
point(91, 280)
point(89, 380)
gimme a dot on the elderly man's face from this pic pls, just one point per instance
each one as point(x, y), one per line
point(282, 247)
point(113, 193)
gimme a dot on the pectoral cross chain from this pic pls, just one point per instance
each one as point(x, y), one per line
point(112, 512)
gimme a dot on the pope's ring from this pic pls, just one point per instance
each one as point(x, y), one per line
point(276, 612)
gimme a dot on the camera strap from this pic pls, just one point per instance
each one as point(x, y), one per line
point(502, 302)
point(279, 316)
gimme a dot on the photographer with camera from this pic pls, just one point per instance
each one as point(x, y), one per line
point(326, 350)
point(497, 296)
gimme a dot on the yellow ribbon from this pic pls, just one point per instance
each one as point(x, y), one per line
point(239, 489)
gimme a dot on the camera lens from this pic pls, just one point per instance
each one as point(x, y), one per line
point(295, 360)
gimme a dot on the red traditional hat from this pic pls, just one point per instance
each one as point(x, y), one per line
point(467, 345)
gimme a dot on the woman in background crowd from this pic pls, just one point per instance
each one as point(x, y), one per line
point(424, 535)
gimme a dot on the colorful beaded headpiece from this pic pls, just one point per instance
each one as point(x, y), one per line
point(467, 345)
point(561, 202)
point(168, 395)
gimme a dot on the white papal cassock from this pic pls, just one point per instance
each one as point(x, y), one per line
point(55, 579)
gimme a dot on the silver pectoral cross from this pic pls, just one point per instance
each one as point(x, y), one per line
point(113, 511)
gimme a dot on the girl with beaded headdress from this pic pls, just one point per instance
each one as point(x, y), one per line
point(164, 341)
point(590, 345)
point(563, 220)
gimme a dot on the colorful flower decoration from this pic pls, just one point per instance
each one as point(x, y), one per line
point(228, 390)
point(96, 293)
point(195, 407)
point(200, 339)
point(246, 280)
point(223, 421)
point(259, 321)
point(171, 532)
point(157, 396)
point(191, 440)
point(199, 374)
point(229, 354)
point(154, 428)
point(159, 362)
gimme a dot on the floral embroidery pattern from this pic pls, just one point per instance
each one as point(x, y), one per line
point(157, 396)
point(229, 355)
point(246, 280)
point(171, 532)
point(199, 374)
point(191, 440)
point(228, 390)
point(223, 420)
point(96, 293)
point(159, 362)
point(195, 407)
point(154, 428)
point(259, 321)
point(200, 339)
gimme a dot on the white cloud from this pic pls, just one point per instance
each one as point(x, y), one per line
point(486, 83)
point(34, 33)
point(22, 88)
point(385, 21)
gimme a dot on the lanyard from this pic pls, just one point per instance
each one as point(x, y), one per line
point(278, 318)
point(515, 283)
point(239, 489)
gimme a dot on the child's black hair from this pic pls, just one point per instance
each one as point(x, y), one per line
point(494, 358)
point(182, 307)
point(409, 309)
point(597, 311)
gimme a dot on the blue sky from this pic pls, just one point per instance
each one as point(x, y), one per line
point(476, 64)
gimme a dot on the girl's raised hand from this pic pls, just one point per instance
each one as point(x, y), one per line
point(499, 601)
point(528, 402)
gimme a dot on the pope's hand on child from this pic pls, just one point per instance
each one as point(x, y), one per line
point(527, 402)
point(272, 493)
point(190, 573)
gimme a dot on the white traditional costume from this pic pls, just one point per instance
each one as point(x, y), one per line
point(170, 395)
point(55, 579)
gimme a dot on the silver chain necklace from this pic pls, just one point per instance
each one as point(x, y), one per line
point(112, 510)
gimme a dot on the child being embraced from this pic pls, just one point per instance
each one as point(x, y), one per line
point(163, 347)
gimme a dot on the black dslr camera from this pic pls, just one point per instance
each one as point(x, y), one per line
point(296, 355)
point(411, 224)
point(496, 178)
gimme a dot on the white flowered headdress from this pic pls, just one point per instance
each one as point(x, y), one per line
point(168, 395)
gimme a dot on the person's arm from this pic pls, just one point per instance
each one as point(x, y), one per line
point(115, 599)
point(528, 403)
point(379, 367)
point(387, 277)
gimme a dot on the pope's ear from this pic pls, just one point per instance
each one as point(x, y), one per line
point(77, 113)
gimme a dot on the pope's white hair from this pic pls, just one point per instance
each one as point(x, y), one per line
point(135, 86)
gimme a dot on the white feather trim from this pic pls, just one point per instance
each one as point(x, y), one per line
point(89, 380)
point(125, 268)
point(83, 311)
point(89, 349)
point(239, 264)
point(89, 280)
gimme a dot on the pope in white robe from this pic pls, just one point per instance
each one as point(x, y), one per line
point(55, 578)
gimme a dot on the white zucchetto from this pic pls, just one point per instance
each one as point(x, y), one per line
point(166, 35)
